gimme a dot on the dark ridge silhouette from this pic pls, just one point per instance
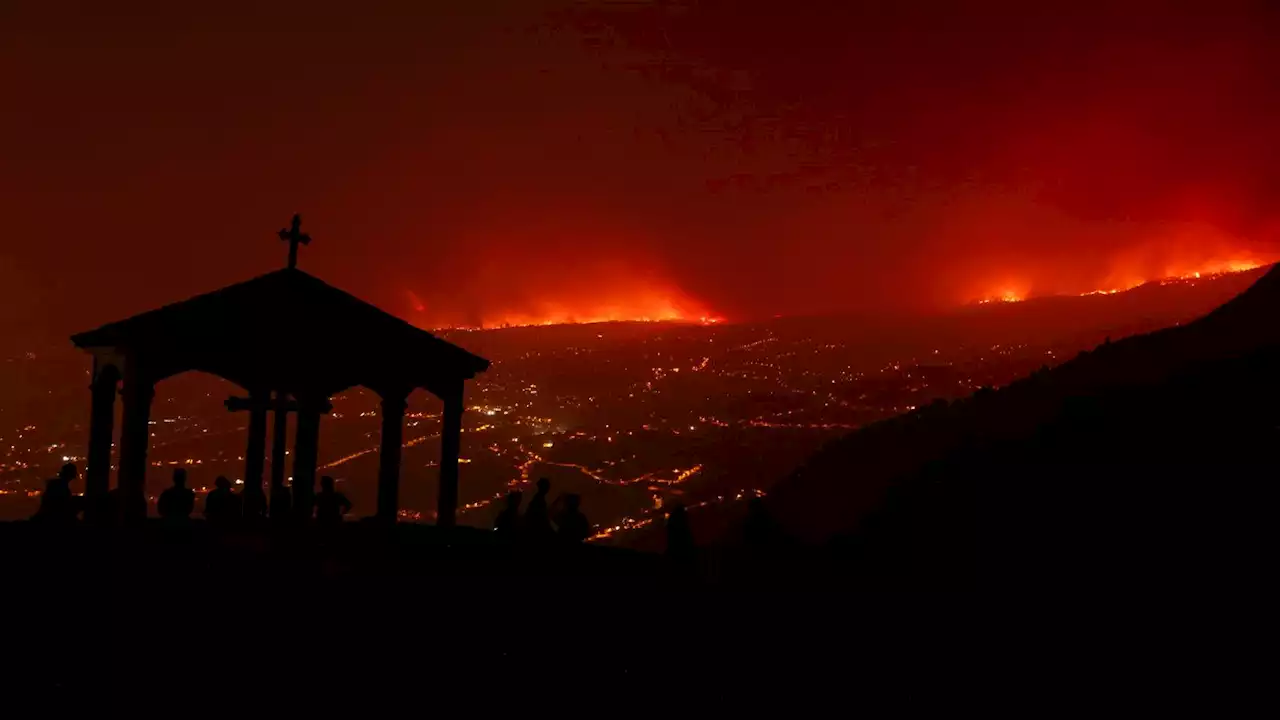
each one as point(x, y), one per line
point(1149, 457)
point(680, 545)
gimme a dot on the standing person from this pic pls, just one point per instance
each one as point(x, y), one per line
point(537, 520)
point(178, 502)
point(509, 519)
point(331, 505)
point(571, 522)
point(222, 505)
point(57, 503)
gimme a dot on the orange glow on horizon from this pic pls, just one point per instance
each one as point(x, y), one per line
point(642, 307)
point(1005, 296)
point(586, 318)
point(538, 286)
point(1174, 273)
point(1217, 268)
point(652, 307)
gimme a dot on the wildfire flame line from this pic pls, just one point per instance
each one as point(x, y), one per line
point(1212, 270)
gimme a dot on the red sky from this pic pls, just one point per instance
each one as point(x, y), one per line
point(741, 158)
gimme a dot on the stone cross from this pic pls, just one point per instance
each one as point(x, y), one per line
point(294, 235)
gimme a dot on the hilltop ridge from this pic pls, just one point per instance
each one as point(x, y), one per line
point(1103, 465)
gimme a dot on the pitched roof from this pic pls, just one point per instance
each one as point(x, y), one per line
point(285, 324)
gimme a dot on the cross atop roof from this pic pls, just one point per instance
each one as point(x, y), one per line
point(285, 333)
point(294, 235)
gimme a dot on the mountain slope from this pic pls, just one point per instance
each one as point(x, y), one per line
point(1154, 454)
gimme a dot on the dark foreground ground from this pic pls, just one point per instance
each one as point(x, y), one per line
point(369, 555)
point(361, 599)
point(422, 620)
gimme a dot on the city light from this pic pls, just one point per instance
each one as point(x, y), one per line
point(630, 420)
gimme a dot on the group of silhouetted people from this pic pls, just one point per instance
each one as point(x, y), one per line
point(222, 505)
point(542, 522)
point(562, 520)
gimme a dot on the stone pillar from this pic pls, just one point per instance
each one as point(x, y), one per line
point(393, 407)
point(97, 477)
point(135, 436)
point(279, 445)
point(450, 445)
point(255, 453)
point(306, 449)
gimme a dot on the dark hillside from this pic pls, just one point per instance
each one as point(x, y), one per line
point(1154, 454)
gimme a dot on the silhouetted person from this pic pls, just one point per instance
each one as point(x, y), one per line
point(57, 504)
point(537, 520)
point(679, 535)
point(331, 505)
point(509, 519)
point(222, 505)
point(571, 523)
point(178, 502)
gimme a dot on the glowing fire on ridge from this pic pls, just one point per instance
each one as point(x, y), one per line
point(1207, 271)
point(626, 307)
point(1173, 274)
point(1007, 296)
point(560, 315)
